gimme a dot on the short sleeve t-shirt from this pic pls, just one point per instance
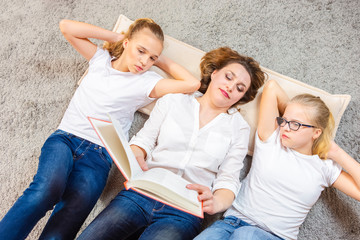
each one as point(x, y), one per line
point(105, 90)
point(281, 187)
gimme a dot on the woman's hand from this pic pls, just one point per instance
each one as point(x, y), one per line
point(140, 155)
point(213, 203)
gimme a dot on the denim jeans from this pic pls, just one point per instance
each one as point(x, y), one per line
point(72, 173)
point(233, 228)
point(134, 216)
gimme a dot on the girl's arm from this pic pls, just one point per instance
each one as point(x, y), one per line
point(349, 181)
point(78, 34)
point(273, 103)
point(213, 203)
point(183, 82)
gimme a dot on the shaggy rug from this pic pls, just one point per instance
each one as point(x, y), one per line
point(314, 41)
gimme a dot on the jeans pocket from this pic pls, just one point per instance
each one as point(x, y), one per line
point(104, 155)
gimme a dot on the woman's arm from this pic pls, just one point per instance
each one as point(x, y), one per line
point(140, 155)
point(183, 82)
point(215, 202)
point(349, 181)
point(78, 34)
point(273, 103)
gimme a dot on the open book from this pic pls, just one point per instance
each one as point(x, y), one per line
point(157, 183)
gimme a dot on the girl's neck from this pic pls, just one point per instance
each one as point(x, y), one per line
point(119, 64)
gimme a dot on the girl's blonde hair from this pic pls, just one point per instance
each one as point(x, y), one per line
point(116, 49)
point(322, 118)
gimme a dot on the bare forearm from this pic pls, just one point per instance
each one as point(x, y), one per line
point(223, 199)
point(84, 30)
point(177, 71)
point(349, 164)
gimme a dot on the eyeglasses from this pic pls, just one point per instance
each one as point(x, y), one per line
point(293, 125)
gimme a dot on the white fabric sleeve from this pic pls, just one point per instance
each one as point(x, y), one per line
point(146, 138)
point(333, 170)
point(151, 79)
point(99, 55)
point(229, 171)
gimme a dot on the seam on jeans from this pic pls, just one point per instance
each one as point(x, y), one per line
point(76, 156)
point(104, 157)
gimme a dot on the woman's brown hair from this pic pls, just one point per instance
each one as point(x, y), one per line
point(223, 56)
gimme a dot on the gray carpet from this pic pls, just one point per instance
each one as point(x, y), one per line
point(315, 41)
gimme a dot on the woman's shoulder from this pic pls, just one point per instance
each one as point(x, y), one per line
point(237, 118)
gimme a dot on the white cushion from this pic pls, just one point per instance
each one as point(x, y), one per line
point(190, 57)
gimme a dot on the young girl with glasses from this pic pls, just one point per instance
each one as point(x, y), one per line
point(294, 160)
point(73, 165)
point(195, 136)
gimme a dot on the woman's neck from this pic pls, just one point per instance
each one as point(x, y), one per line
point(208, 111)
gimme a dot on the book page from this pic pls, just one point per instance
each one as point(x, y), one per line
point(118, 149)
point(168, 185)
point(134, 165)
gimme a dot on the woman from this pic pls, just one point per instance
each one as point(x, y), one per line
point(291, 167)
point(74, 166)
point(197, 137)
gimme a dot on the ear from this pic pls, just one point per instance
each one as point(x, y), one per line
point(317, 133)
point(213, 73)
point(125, 42)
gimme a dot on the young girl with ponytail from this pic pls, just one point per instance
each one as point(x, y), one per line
point(74, 165)
point(294, 160)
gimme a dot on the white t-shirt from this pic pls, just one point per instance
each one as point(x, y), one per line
point(281, 187)
point(211, 156)
point(106, 90)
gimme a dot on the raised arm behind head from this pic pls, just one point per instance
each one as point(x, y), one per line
point(273, 103)
point(78, 34)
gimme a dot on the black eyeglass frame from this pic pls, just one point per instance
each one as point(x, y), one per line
point(284, 122)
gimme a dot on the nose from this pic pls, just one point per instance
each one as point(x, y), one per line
point(230, 86)
point(144, 60)
point(287, 127)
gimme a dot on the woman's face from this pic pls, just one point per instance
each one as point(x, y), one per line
point(140, 52)
point(228, 85)
point(302, 139)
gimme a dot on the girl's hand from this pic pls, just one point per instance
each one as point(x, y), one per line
point(118, 37)
point(140, 155)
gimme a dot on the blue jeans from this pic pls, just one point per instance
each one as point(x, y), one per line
point(134, 216)
point(72, 173)
point(233, 228)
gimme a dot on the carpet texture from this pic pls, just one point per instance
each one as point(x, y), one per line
point(314, 41)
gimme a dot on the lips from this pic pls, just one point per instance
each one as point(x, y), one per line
point(284, 136)
point(139, 69)
point(225, 93)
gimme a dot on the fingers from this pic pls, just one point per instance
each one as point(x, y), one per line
point(142, 163)
point(197, 187)
point(204, 192)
